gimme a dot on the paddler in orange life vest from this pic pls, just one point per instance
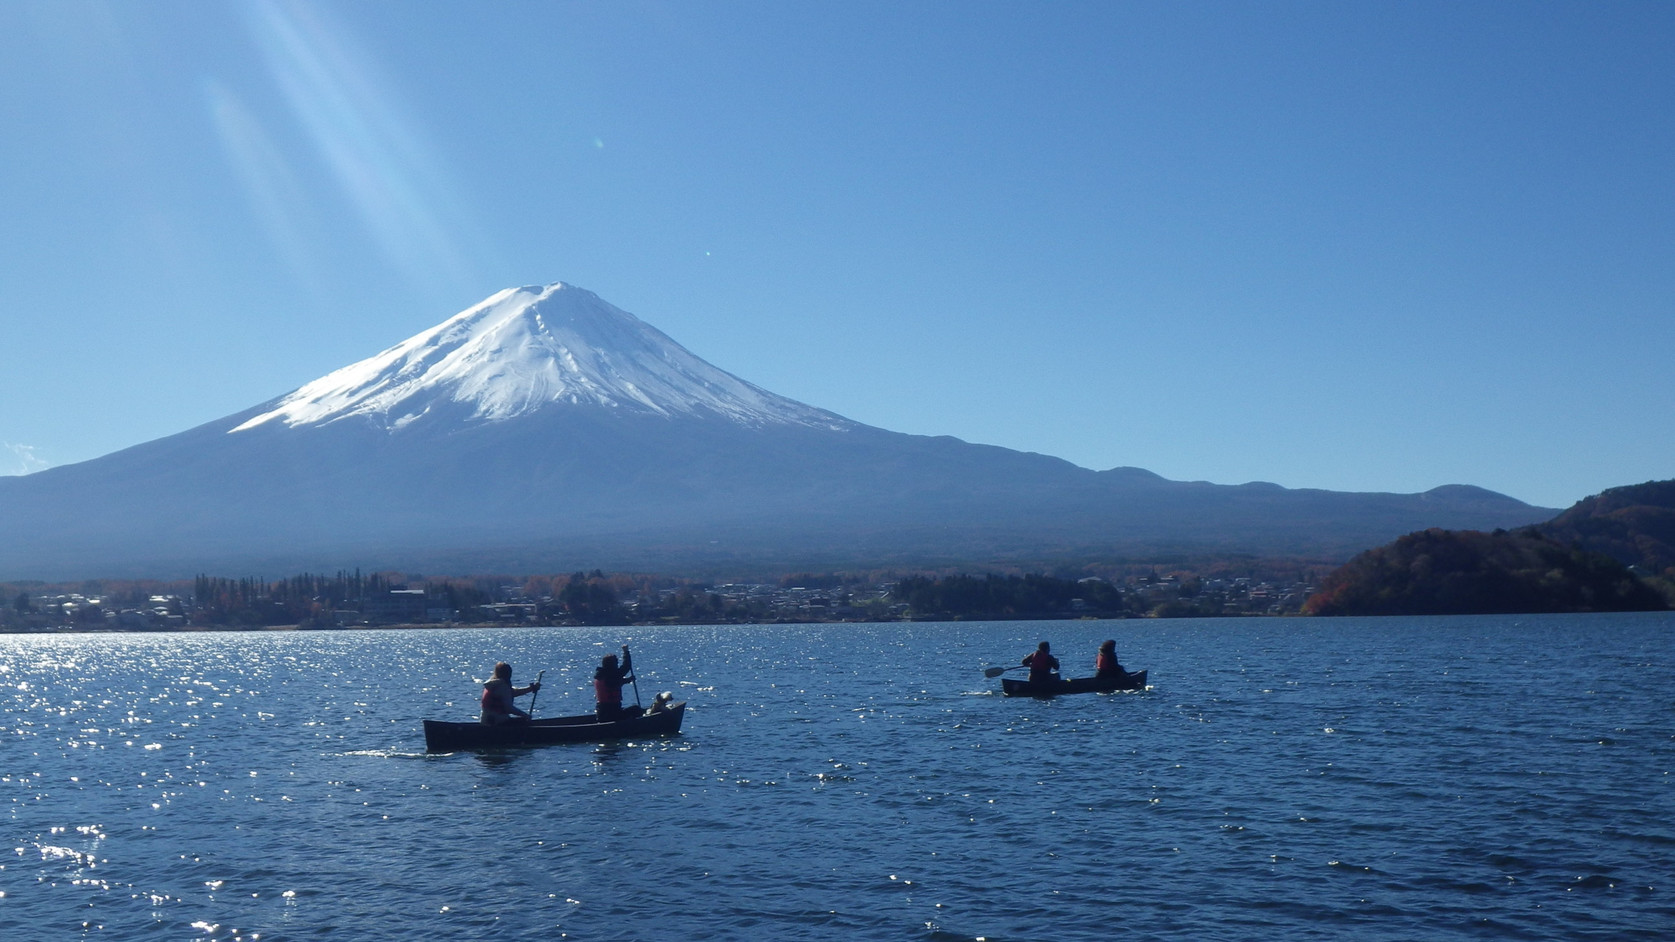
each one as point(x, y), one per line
point(1043, 667)
point(1105, 662)
point(607, 688)
point(497, 697)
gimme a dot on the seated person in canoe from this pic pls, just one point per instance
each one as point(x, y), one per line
point(498, 695)
point(607, 688)
point(1105, 662)
point(1043, 667)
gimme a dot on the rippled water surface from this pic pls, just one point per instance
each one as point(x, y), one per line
point(1496, 778)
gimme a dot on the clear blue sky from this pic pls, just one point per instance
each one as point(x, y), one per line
point(1358, 246)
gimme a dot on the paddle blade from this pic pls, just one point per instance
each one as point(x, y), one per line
point(995, 671)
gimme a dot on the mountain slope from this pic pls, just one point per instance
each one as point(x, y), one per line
point(523, 350)
point(546, 430)
point(1634, 524)
point(1442, 572)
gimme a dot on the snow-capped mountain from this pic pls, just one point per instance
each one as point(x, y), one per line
point(545, 430)
point(525, 349)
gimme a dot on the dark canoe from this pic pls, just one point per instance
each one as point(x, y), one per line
point(442, 736)
point(1014, 687)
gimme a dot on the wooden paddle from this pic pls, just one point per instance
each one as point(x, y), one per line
point(997, 671)
point(633, 675)
point(537, 693)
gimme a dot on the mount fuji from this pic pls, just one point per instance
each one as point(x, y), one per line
point(529, 349)
point(545, 430)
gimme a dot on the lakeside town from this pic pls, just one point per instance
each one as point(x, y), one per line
point(380, 601)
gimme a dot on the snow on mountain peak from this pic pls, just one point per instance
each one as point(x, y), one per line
point(524, 349)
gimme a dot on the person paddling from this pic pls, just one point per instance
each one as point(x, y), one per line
point(1043, 667)
point(498, 694)
point(1105, 662)
point(607, 688)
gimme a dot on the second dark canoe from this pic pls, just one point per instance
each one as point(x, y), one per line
point(444, 736)
point(1013, 687)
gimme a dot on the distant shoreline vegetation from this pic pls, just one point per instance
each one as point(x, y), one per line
point(353, 599)
point(1448, 572)
point(1614, 551)
point(1429, 572)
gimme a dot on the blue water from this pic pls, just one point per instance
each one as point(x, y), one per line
point(1462, 778)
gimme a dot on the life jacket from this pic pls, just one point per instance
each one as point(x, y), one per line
point(605, 690)
point(495, 699)
point(1041, 664)
point(1106, 663)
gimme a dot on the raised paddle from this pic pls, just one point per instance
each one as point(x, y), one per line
point(634, 676)
point(997, 671)
point(536, 693)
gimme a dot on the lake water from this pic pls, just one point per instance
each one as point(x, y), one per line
point(1424, 779)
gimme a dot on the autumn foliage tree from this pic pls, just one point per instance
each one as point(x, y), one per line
point(1466, 572)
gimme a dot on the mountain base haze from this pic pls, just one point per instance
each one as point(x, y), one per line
point(547, 430)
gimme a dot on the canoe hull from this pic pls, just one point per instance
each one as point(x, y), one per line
point(1014, 687)
point(443, 736)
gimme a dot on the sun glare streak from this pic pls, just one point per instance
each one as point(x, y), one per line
point(273, 187)
point(381, 164)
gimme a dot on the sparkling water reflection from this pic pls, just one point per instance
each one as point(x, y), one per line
point(1398, 779)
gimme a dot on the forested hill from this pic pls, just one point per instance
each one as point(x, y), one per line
point(1634, 525)
point(1448, 572)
